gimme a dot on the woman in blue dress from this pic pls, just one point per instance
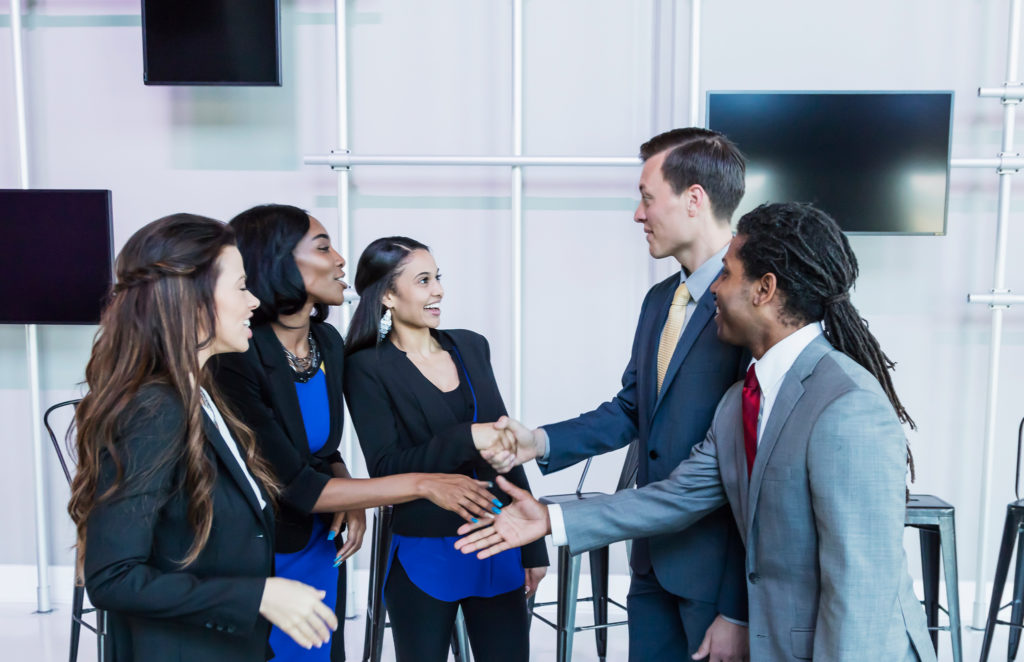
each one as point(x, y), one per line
point(288, 388)
point(425, 399)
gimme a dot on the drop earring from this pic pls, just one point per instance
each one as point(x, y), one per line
point(384, 328)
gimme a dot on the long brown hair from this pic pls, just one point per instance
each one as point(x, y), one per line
point(160, 314)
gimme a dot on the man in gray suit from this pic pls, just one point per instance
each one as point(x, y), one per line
point(808, 451)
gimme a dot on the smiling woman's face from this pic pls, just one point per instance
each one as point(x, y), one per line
point(321, 267)
point(416, 299)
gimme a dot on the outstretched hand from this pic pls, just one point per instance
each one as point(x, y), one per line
point(528, 445)
point(520, 522)
point(464, 496)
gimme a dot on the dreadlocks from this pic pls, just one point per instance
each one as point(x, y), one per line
point(815, 268)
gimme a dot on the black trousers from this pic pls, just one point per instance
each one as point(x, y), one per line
point(664, 627)
point(498, 627)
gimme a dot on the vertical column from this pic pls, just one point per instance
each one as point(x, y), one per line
point(517, 210)
point(996, 339)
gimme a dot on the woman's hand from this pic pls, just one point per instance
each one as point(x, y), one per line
point(355, 522)
point(462, 495)
point(533, 577)
point(298, 610)
point(488, 437)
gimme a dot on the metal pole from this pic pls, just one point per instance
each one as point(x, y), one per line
point(999, 280)
point(343, 159)
point(695, 63)
point(32, 338)
point(517, 210)
point(344, 236)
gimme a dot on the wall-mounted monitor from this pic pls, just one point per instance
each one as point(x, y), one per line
point(877, 162)
point(211, 42)
point(56, 256)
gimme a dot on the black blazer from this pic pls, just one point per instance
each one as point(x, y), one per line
point(207, 611)
point(260, 387)
point(706, 561)
point(404, 425)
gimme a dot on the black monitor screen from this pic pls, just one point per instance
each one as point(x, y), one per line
point(211, 42)
point(876, 162)
point(56, 256)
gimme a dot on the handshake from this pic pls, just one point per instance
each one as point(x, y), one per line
point(507, 443)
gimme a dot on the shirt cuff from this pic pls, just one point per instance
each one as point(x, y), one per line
point(734, 621)
point(559, 537)
point(543, 459)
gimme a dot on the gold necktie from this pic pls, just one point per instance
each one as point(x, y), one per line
point(670, 334)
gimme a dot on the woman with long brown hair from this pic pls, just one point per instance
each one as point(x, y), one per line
point(172, 502)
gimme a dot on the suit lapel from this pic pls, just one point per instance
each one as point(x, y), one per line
point(702, 314)
point(405, 376)
point(227, 459)
point(333, 364)
point(656, 322)
point(790, 392)
point(282, 385)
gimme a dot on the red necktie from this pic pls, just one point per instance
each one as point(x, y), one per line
point(751, 409)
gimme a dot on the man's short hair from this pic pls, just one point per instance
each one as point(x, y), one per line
point(704, 157)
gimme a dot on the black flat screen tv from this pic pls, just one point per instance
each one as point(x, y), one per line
point(877, 162)
point(56, 256)
point(211, 42)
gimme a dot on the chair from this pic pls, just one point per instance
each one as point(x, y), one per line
point(376, 618)
point(934, 518)
point(1013, 533)
point(569, 574)
point(78, 597)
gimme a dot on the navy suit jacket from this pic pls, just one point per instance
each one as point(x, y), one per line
point(705, 562)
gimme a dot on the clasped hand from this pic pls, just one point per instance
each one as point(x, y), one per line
point(507, 443)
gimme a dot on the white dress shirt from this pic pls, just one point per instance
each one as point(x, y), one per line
point(229, 440)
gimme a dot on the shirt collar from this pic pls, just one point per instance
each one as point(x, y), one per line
point(700, 280)
point(771, 368)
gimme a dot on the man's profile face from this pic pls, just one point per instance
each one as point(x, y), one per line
point(734, 310)
point(662, 212)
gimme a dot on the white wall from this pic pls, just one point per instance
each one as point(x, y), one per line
point(432, 77)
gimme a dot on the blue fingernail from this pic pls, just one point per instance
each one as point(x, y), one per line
point(496, 511)
point(337, 563)
point(330, 536)
point(496, 502)
point(475, 520)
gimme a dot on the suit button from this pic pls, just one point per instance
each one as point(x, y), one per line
point(220, 628)
point(653, 455)
point(209, 625)
point(754, 577)
point(259, 535)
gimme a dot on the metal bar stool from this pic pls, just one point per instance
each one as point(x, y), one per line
point(1013, 533)
point(78, 596)
point(376, 616)
point(569, 576)
point(934, 518)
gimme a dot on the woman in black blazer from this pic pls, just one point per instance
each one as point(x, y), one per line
point(423, 399)
point(288, 388)
point(170, 497)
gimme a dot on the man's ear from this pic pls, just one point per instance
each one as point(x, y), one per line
point(766, 290)
point(695, 197)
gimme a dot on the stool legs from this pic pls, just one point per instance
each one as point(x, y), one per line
point(460, 639)
point(947, 533)
point(103, 652)
point(599, 593)
point(568, 588)
point(373, 642)
point(930, 576)
point(1010, 532)
point(77, 600)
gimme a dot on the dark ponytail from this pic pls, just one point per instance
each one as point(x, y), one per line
point(378, 266)
point(816, 269)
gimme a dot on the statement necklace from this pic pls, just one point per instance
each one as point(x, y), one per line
point(304, 367)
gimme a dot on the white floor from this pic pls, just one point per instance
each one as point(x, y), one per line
point(30, 637)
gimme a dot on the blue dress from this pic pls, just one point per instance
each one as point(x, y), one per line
point(314, 564)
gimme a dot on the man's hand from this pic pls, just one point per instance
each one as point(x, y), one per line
point(520, 522)
point(529, 445)
point(724, 642)
point(355, 522)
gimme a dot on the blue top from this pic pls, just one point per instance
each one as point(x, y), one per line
point(316, 410)
point(433, 564)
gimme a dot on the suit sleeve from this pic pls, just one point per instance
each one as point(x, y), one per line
point(609, 427)
point(857, 475)
point(693, 490)
point(374, 415)
point(241, 381)
point(732, 595)
point(120, 573)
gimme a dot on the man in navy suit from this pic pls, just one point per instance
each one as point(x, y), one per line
point(688, 591)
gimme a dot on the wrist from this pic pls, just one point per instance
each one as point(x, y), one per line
point(540, 441)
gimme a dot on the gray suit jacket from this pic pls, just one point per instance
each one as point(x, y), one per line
point(821, 517)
